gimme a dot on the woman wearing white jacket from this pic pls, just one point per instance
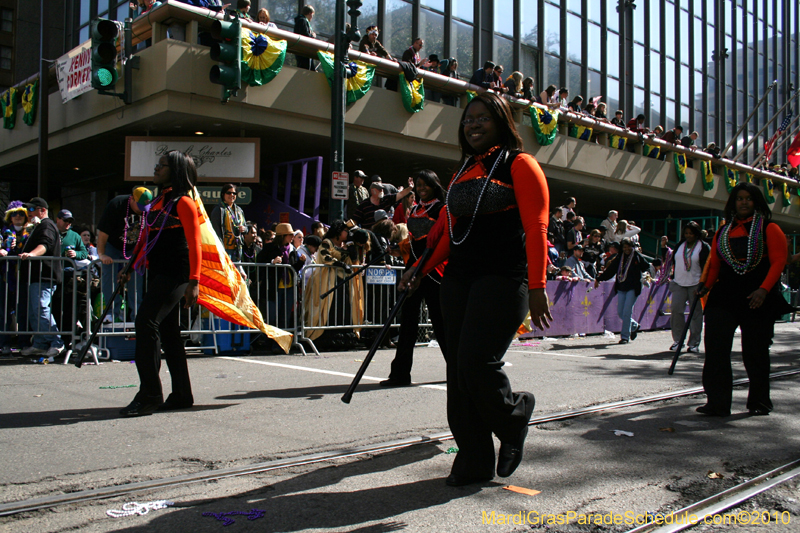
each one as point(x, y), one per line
point(624, 231)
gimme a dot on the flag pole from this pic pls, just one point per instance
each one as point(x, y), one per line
point(775, 149)
point(791, 136)
point(776, 115)
point(747, 120)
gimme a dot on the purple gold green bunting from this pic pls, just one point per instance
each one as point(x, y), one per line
point(412, 94)
point(749, 178)
point(731, 179)
point(651, 150)
point(471, 95)
point(769, 191)
point(262, 57)
point(8, 103)
point(680, 166)
point(707, 174)
point(359, 76)
point(545, 125)
point(615, 141)
point(787, 195)
point(29, 101)
point(580, 131)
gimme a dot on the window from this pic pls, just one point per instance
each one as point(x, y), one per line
point(504, 54)
point(369, 14)
point(594, 11)
point(655, 27)
point(463, 9)
point(639, 25)
point(686, 94)
point(612, 54)
point(84, 16)
point(462, 47)
point(550, 71)
point(698, 90)
point(685, 119)
point(529, 67)
point(7, 20)
point(102, 7)
point(283, 11)
point(593, 88)
point(433, 4)
point(612, 17)
point(698, 44)
point(396, 36)
point(612, 95)
point(552, 28)
point(638, 101)
point(669, 120)
point(504, 17)
point(574, 6)
point(669, 22)
point(699, 119)
point(655, 72)
point(574, 81)
point(638, 65)
point(530, 23)
point(431, 29)
point(683, 32)
point(595, 44)
point(574, 34)
point(5, 58)
point(669, 78)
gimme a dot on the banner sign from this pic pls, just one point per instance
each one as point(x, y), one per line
point(381, 276)
point(576, 308)
point(219, 159)
point(74, 72)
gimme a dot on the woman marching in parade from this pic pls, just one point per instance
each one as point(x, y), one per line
point(747, 257)
point(421, 218)
point(169, 247)
point(499, 196)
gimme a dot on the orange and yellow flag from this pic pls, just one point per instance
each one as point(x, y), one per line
point(223, 291)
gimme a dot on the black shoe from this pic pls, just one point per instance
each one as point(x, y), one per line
point(454, 480)
point(759, 411)
point(708, 410)
point(395, 383)
point(173, 404)
point(137, 408)
point(634, 333)
point(510, 455)
point(624, 341)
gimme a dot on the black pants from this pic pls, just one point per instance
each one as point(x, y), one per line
point(409, 327)
point(481, 316)
point(157, 327)
point(758, 328)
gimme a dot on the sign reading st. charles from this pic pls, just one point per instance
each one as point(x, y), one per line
point(218, 159)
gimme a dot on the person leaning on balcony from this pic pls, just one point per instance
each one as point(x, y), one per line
point(618, 121)
point(575, 104)
point(370, 44)
point(636, 124)
point(747, 257)
point(483, 77)
point(411, 55)
point(484, 302)
point(549, 96)
point(513, 84)
point(263, 18)
point(449, 68)
point(610, 223)
point(302, 26)
point(623, 231)
point(527, 89)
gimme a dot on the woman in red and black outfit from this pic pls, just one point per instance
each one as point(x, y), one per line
point(747, 257)
point(499, 196)
point(421, 218)
point(170, 249)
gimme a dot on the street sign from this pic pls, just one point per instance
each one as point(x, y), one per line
point(381, 276)
point(339, 186)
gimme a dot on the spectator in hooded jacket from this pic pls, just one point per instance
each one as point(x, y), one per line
point(302, 26)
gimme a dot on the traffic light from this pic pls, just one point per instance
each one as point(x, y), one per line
point(228, 51)
point(104, 54)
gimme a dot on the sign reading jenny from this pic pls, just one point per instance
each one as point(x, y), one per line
point(218, 159)
point(74, 72)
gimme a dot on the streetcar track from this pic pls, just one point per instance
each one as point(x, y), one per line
point(716, 504)
point(119, 490)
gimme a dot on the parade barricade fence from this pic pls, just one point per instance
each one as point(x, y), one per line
point(577, 308)
point(273, 288)
point(23, 283)
point(363, 303)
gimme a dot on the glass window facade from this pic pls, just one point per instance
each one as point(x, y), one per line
point(702, 63)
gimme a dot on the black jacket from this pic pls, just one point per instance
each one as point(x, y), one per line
point(633, 281)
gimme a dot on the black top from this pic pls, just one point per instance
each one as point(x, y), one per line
point(365, 212)
point(45, 234)
point(170, 253)
point(480, 78)
point(633, 280)
point(115, 218)
point(498, 225)
point(302, 26)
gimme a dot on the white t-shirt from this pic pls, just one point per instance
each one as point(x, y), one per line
point(692, 277)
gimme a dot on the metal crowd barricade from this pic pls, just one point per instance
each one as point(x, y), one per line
point(20, 280)
point(363, 303)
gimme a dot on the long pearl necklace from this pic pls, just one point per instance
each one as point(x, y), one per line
point(477, 204)
point(622, 276)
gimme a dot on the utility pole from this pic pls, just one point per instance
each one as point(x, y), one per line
point(341, 45)
point(44, 111)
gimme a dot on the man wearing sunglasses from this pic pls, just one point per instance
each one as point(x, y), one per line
point(229, 222)
point(42, 278)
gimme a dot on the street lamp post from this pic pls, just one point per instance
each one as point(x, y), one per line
point(342, 41)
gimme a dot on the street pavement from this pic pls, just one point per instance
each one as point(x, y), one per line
point(60, 432)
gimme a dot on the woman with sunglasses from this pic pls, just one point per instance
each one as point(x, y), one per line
point(229, 222)
point(499, 196)
point(170, 250)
